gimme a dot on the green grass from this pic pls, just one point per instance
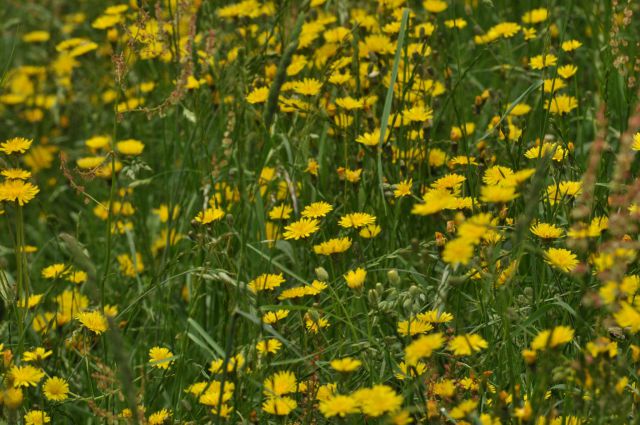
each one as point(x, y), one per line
point(191, 295)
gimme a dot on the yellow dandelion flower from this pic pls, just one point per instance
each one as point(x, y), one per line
point(94, 321)
point(15, 145)
point(301, 229)
point(465, 345)
point(160, 357)
point(56, 389)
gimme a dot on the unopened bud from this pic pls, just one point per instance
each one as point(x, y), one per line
point(322, 274)
point(394, 277)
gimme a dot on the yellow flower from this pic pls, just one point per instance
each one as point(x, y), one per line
point(401, 417)
point(38, 354)
point(546, 231)
point(355, 278)
point(333, 246)
point(403, 188)
point(557, 192)
point(15, 145)
point(16, 174)
point(349, 103)
point(317, 210)
point(636, 142)
point(18, 191)
point(410, 371)
point(543, 61)
point(356, 220)
point(552, 85)
point(131, 147)
point(30, 303)
point(338, 405)
point(268, 346)
point(465, 345)
point(301, 229)
point(455, 23)
point(561, 104)
point(97, 142)
point(12, 397)
point(465, 130)
point(457, 251)
point(258, 95)
point(551, 338)
point(56, 389)
point(272, 317)
point(445, 388)
point(209, 215)
point(496, 175)
point(378, 400)
point(377, 43)
point(25, 376)
point(435, 316)
point(307, 87)
point(422, 347)
point(234, 364)
point(418, 113)
point(535, 16)
point(314, 324)
point(435, 6)
point(36, 37)
point(280, 212)
point(370, 231)
point(95, 321)
point(346, 364)
point(281, 406)
point(158, 357)
point(159, 417)
point(106, 21)
point(559, 153)
point(369, 139)
point(463, 409)
point(312, 167)
point(571, 45)
point(414, 327)
point(36, 417)
point(55, 271)
point(561, 258)
point(77, 276)
point(628, 317)
point(280, 383)
point(498, 194)
point(127, 266)
point(567, 71)
point(266, 282)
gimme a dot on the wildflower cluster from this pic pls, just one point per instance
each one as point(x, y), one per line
point(381, 212)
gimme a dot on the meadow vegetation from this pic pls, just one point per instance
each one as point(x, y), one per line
point(319, 212)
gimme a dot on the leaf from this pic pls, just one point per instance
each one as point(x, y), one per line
point(386, 111)
point(208, 344)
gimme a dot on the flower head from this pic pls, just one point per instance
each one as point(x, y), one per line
point(25, 376)
point(94, 321)
point(301, 229)
point(15, 145)
point(36, 417)
point(158, 357)
point(561, 258)
point(56, 389)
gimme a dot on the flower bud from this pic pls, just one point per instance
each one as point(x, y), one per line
point(322, 274)
point(394, 277)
